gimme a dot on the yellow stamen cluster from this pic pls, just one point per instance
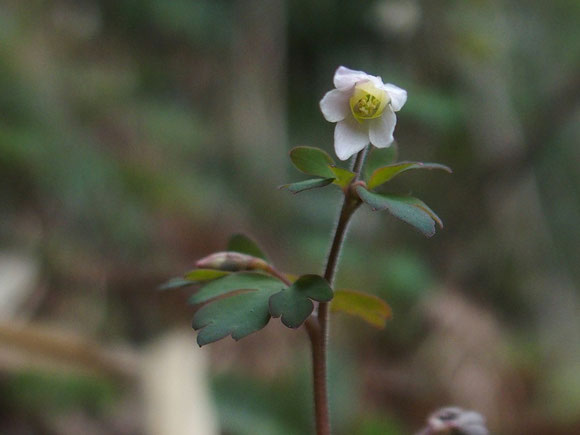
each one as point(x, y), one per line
point(367, 106)
point(368, 102)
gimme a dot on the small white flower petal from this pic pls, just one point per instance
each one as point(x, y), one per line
point(398, 96)
point(334, 105)
point(345, 78)
point(350, 137)
point(381, 129)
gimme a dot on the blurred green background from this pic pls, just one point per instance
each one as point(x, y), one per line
point(136, 136)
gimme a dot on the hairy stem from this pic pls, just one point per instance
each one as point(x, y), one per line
point(319, 333)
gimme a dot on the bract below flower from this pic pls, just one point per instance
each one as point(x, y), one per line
point(363, 108)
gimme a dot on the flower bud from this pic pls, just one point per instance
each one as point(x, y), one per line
point(232, 262)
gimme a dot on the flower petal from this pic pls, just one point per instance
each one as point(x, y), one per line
point(381, 129)
point(334, 105)
point(350, 137)
point(398, 96)
point(345, 78)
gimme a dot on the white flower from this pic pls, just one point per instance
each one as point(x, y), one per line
point(363, 108)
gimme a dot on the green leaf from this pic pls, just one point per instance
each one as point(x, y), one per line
point(343, 176)
point(379, 157)
point(174, 283)
point(238, 315)
point(411, 210)
point(244, 245)
point(203, 275)
point(193, 277)
point(312, 161)
point(294, 304)
point(369, 308)
point(386, 173)
point(233, 282)
point(241, 308)
point(307, 184)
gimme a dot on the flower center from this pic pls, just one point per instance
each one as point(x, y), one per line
point(368, 101)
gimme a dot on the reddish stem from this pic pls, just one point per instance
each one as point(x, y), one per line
point(319, 332)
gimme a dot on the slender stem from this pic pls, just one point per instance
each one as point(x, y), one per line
point(319, 334)
point(349, 206)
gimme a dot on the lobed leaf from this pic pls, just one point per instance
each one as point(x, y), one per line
point(367, 307)
point(202, 275)
point(386, 173)
point(307, 184)
point(244, 245)
point(233, 282)
point(379, 157)
point(237, 306)
point(294, 304)
point(411, 210)
point(312, 161)
point(238, 315)
point(343, 176)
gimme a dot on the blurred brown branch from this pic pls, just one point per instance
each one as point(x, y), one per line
point(41, 347)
